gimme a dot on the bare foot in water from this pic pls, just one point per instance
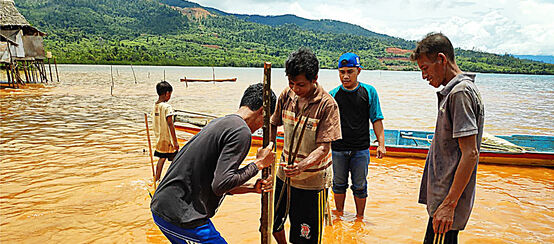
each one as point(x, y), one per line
point(337, 212)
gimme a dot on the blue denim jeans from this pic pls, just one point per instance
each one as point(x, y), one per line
point(354, 162)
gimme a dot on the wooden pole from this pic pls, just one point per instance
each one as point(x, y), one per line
point(32, 72)
point(27, 79)
point(134, 73)
point(150, 149)
point(50, 68)
point(17, 74)
point(13, 75)
point(36, 72)
point(44, 71)
point(267, 197)
point(56, 66)
point(213, 75)
point(8, 76)
point(111, 87)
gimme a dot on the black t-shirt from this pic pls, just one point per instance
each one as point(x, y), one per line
point(357, 109)
point(203, 171)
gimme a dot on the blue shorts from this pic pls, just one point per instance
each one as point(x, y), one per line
point(355, 163)
point(201, 234)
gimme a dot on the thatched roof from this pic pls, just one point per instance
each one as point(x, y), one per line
point(10, 18)
point(9, 14)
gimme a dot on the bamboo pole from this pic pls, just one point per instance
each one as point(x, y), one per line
point(56, 66)
point(150, 149)
point(267, 197)
point(134, 73)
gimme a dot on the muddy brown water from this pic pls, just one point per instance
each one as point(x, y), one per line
point(74, 166)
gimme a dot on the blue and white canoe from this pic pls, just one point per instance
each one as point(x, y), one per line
point(527, 150)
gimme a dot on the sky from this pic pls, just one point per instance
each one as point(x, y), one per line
point(497, 26)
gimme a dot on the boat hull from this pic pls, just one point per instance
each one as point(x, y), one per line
point(401, 144)
point(522, 159)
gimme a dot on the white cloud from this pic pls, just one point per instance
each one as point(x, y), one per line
point(499, 26)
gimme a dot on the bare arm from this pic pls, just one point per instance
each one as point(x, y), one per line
point(172, 132)
point(444, 216)
point(379, 131)
point(258, 187)
point(315, 157)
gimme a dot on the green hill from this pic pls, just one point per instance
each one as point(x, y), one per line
point(178, 32)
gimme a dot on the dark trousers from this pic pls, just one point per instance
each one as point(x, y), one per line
point(450, 237)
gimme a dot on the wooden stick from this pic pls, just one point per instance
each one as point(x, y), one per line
point(56, 66)
point(23, 63)
point(32, 71)
point(43, 71)
point(150, 149)
point(267, 197)
point(9, 76)
point(111, 87)
point(50, 68)
point(134, 73)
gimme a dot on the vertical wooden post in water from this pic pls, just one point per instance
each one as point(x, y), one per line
point(49, 56)
point(213, 75)
point(267, 197)
point(133, 73)
point(56, 66)
point(27, 79)
point(9, 76)
point(111, 87)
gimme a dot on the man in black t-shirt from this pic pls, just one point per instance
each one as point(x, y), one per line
point(207, 168)
point(358, 105)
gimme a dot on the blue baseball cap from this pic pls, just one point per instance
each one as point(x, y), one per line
point(352, 59)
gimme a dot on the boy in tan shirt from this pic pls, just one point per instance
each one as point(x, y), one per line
point(311, 121)
point(164, 130)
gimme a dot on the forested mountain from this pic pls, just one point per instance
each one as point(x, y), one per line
point(541, 58)
point(178, 32)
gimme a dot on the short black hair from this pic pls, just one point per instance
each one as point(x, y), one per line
point(253, 97)
point(432, 44)
point(300, 62)
point(162, 87)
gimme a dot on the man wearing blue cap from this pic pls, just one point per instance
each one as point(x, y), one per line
point(358, 104)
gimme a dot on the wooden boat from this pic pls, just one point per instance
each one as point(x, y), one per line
point(257, 138)
point(526, 150)
point(209, 80)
